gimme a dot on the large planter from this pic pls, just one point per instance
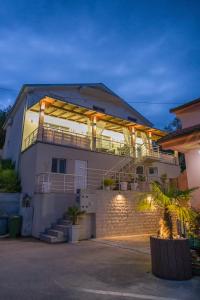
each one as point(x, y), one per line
point(74, 233)
point(3, 225)
point(171, 259)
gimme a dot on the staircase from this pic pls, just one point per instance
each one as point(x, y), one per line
point(58, 233)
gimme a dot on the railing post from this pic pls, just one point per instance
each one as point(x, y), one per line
point(176, 157)
point(94, 129)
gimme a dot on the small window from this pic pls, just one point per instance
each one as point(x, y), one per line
point(100, 109)
point(153, 171)
point(132, 119)
point(58, 165)
point(140, 170)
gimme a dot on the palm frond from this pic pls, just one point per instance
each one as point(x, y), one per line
point(145, 205)
point(159, 196)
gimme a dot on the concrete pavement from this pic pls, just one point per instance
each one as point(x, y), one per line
point(90, 270)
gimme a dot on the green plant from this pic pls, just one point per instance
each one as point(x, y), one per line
point(141, 178)
point(6, 164)
point(74, 212)
point(193, 226)
point(171, 202)
point(131, 178)
point(9, 181)
point(108, 182)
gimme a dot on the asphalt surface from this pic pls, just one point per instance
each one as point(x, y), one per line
point(89, 270)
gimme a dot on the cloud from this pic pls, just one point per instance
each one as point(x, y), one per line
point(143, 52)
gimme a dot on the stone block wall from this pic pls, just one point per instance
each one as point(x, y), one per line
point(116, 214)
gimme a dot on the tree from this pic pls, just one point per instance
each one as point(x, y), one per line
point(3, 115)
point(172, 202)
point(174, 126)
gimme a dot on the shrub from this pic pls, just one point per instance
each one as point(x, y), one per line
point(9, 181)
point(7, 164)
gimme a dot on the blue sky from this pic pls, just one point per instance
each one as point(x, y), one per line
point(146, 51)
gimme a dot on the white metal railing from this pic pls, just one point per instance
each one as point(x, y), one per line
point(94, 180)
point(64, 137)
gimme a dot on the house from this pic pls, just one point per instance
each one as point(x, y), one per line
point(69, 137)
point(187, 141)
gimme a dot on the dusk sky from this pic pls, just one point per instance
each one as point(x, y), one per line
point(146, 51)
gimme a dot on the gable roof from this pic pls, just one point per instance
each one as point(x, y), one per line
point(27, 87)
point(190, 103)
point(180, 133)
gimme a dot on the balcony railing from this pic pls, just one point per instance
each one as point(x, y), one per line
point(94, 180)
point(103, 145)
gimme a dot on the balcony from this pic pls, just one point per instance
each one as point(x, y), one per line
point(141, 152)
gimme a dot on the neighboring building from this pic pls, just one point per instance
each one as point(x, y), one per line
point(187, 141)
point(70, 136)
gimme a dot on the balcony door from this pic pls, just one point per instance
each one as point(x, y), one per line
point(80, 179)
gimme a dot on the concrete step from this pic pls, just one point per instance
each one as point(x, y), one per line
point(64, 222)
point(57, 233)
point(51, 239)
point(63, 228)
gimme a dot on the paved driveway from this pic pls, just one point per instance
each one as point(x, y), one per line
point(88, 270)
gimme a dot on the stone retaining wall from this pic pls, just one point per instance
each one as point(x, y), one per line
point(116, 214)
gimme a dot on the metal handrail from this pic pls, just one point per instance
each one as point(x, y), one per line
point(59, 182)
point(64, 137)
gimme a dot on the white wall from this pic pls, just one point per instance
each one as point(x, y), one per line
point(190, 117)
point(171, 170)
point(12, 146)
point(87, 97)
point(193, 174)
point(48, 208)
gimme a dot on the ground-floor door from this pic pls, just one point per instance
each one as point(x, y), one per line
point(80, 179)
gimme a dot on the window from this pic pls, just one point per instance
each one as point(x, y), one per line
point(140, 170)
point(153, 171)
point(58, 165)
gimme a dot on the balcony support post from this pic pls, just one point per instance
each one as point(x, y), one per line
point(133, 140)
point(41, 120)
point(150, 145)
point(94, 132)
point(176, 157)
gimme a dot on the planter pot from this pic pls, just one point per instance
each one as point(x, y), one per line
point(108, 188)
point(74, 233)
point(3, 225)
point(134, 186)
point(171, 259)
point(123, 186)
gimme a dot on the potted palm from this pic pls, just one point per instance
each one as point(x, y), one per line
point(74, 213)
point(170, 254)
point(108, 183)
